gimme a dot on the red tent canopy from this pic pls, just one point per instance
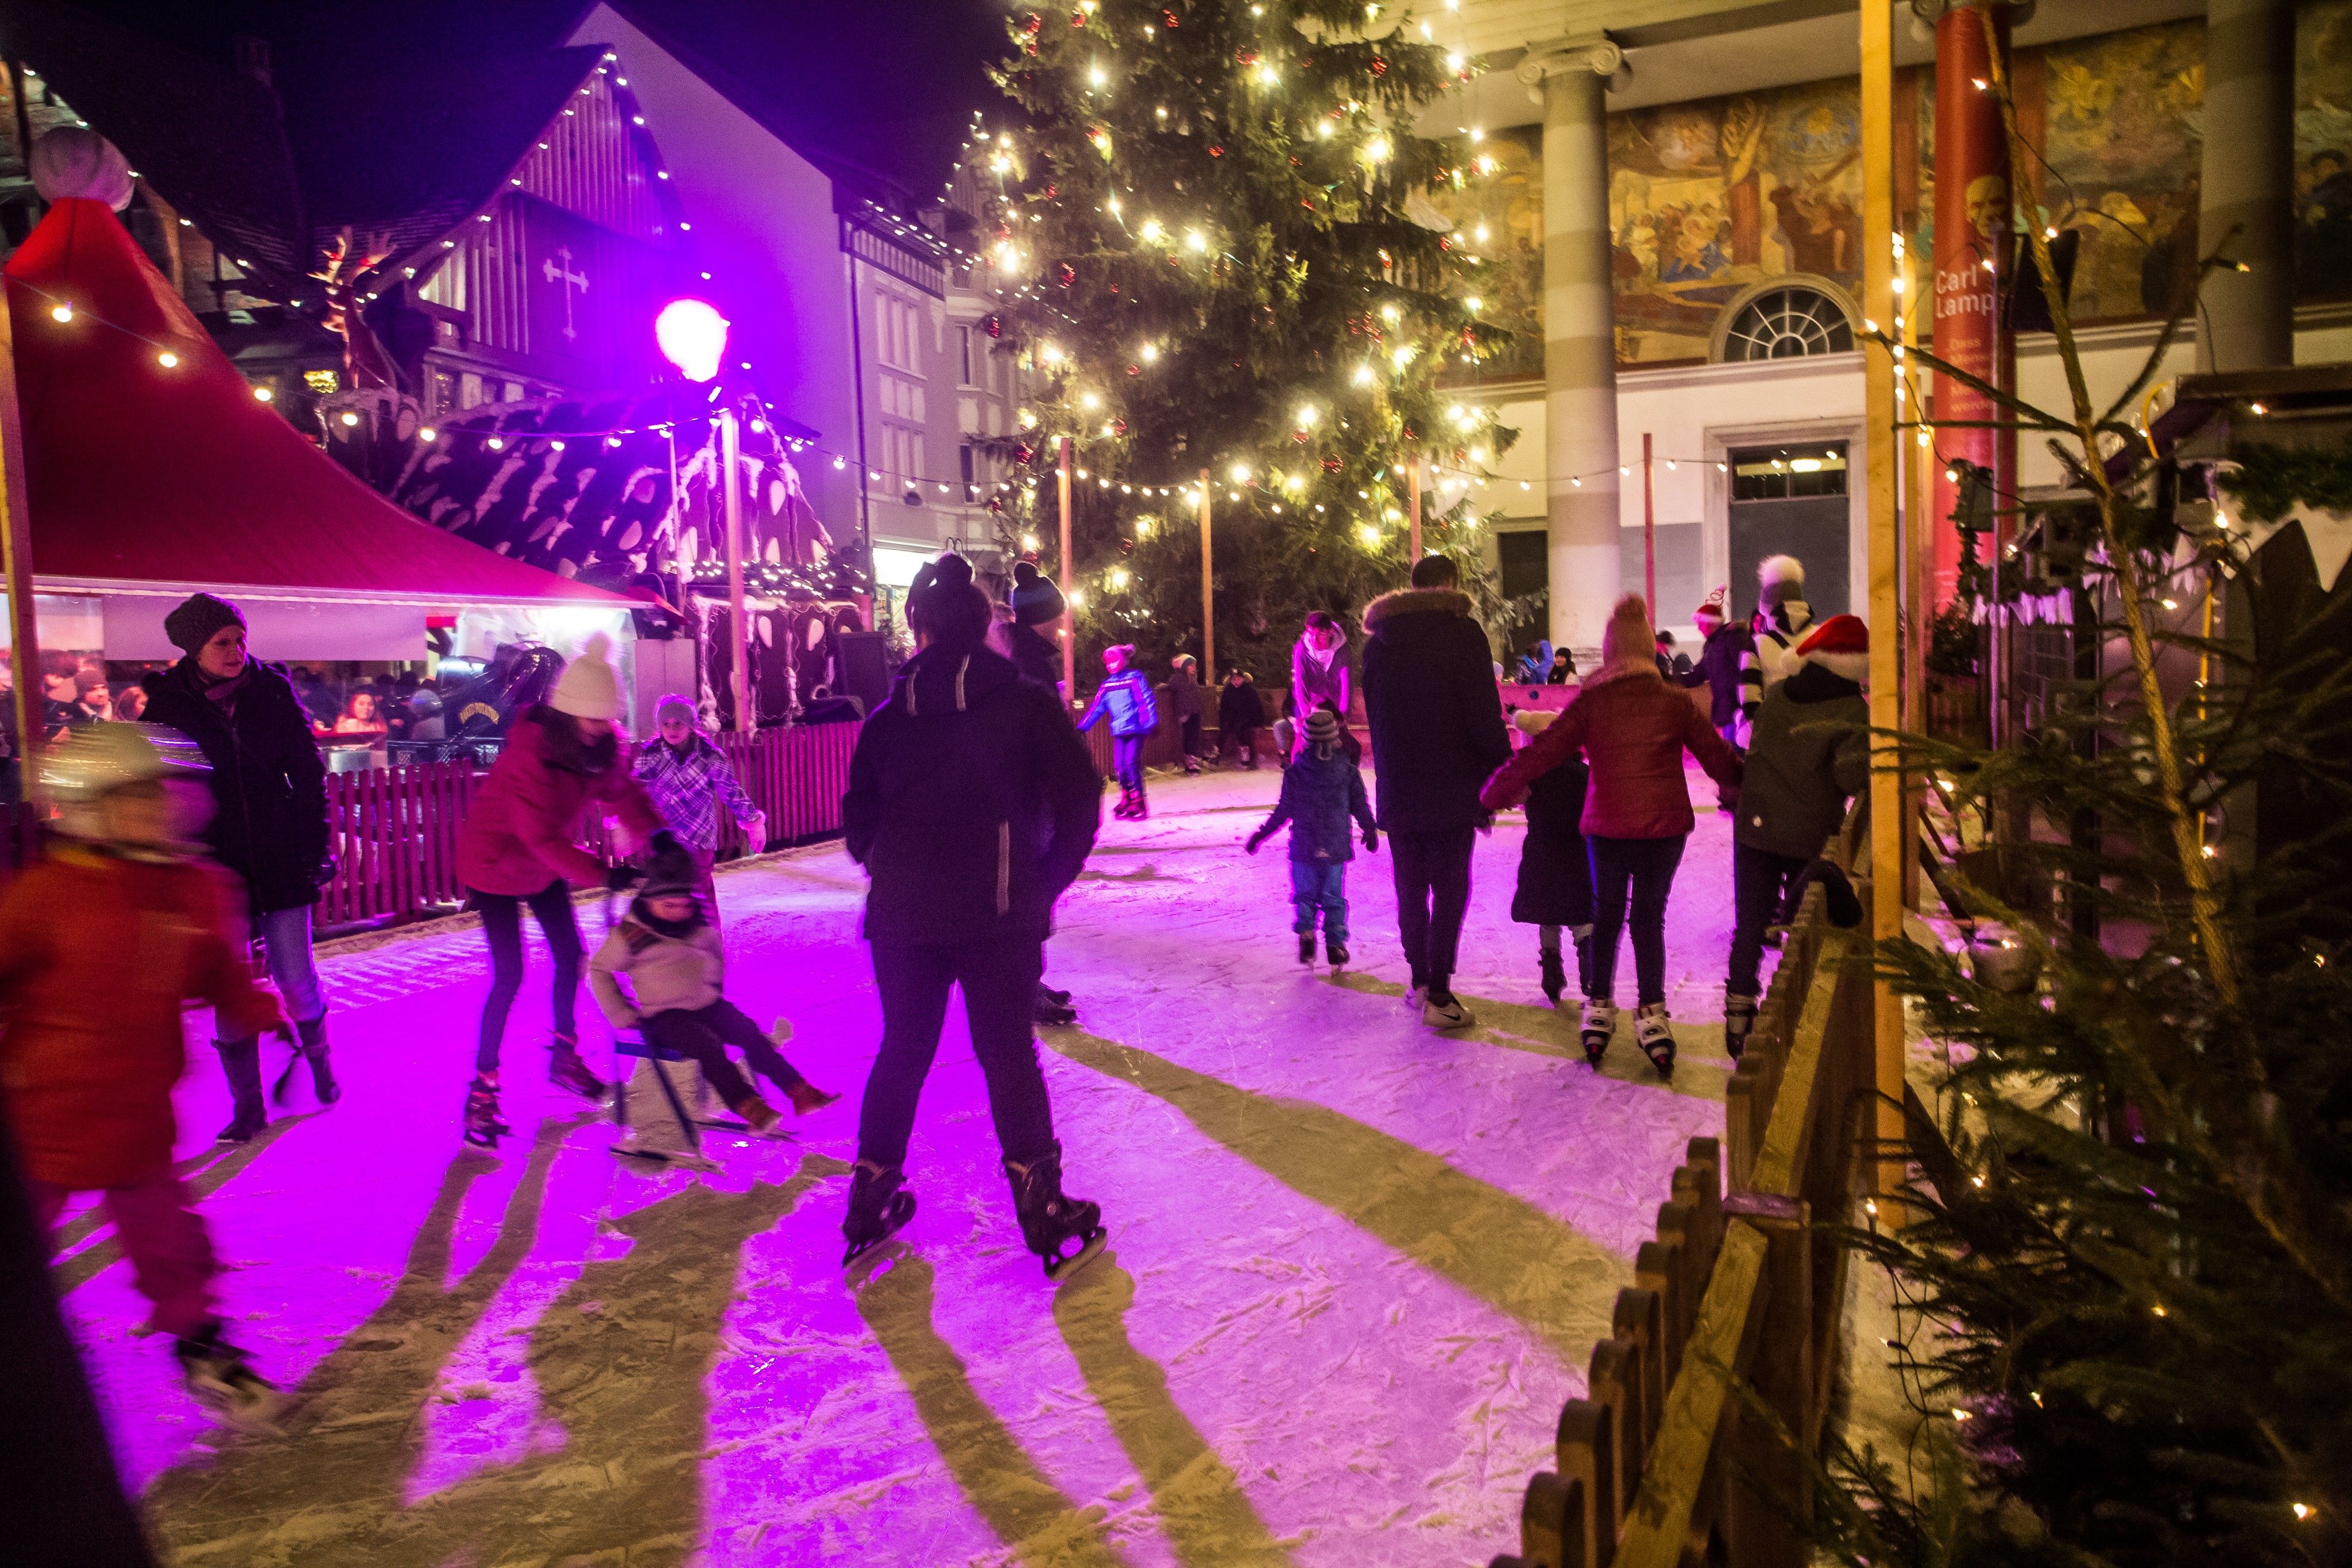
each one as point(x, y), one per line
point(137, 471)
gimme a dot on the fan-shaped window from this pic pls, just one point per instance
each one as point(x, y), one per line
point(1788, 324)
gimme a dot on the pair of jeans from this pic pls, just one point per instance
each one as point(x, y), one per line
point(703, 1035)
point(999, 977)
point(1641, 870)
point(1762, 886)
point(1191, 730)
point(285, 936)
point(502, 924)
point(1127, 759)
point(1319, 885)
point(1432, 888)
point(160, 1231)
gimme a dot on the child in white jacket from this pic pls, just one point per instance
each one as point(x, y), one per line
point(674, 963)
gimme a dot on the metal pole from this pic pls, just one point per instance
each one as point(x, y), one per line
point(1886, 844)
point(1069, 624)
point(739, 628)
point(857, 391)
point(16, 569)
point(1649, 531)
point(1916, 583)
point(1208, 598)
point(1413, 481)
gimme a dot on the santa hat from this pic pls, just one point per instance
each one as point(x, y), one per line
point(1780, 578)
point(1841, 645)
point(1713, 604)
point(589, 688)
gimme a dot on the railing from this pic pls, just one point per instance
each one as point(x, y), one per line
point(1664, 1462)
point(394, 830)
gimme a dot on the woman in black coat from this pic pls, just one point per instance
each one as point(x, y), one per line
point(1555, 876)
point(269, 825)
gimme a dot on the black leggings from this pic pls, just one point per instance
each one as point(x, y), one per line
point(1639, 873)
point(999, 991)
point(703, 1035)
point(502, 923)
point(1433, 887)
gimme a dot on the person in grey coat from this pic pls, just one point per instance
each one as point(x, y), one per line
point(1808, 754)
point(1184, 702)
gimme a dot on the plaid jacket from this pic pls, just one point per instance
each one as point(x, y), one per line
point(688, 791)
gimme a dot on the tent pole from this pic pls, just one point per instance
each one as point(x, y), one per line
point(16, 568)
point(739, 628)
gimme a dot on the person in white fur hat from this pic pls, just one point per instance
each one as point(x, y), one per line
point(519, 847)
point(1810, 752)
point(1782, 618)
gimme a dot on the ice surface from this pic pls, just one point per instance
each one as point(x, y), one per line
point(1354, 1267)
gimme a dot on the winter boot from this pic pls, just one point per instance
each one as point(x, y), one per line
point(878, 1208)
point(1336, 951)
point(566, 1070)
point(1307, 948)
point(223, 1383)
point(1654, 1033)
point(484, 1125)
point(1738, 1018)
point(1555, 975)
point(760, 1116)
point(1063, 1231)
point(1598, 1027)
point(1052, 1007)
point(807, 1097)
point(241, 1064)
point(312, 1050)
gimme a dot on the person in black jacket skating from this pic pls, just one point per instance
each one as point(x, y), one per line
point(972, 803)
point(1436, 718)
point(1241, 714)
point(268, 825)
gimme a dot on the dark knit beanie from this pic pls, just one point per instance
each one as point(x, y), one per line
point(671, 872)
point(192, 626)
point(1035, 600)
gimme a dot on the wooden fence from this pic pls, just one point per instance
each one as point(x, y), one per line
point(1663, 1462)
point(394, 830)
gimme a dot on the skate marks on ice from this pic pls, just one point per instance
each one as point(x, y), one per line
point(620, 1359)
point(1498, 1248)
point(1545, 1032)
point(204, 1175)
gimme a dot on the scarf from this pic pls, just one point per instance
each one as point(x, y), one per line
point(221, 692)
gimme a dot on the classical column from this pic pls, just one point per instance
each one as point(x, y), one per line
point(1580, 336)
point(2247, 211)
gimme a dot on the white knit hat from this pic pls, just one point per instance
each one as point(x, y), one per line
point(590, 688)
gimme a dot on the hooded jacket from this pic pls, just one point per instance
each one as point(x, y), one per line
point(1183, 692)
point(1314, 680)
point(972, 803)
point(1321, 793)
point(1240, 709)
point(665, 972)
point(1435, 714)
point(519, 836)
point(1810, 752)
point(1632, 728)
point(1127, 697)
point(269, 787)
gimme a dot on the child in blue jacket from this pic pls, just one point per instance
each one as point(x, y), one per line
point(1321, 789)
point(1134, 713)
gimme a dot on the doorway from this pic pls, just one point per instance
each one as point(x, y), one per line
point(1791, 500)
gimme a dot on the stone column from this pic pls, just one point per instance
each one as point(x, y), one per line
point(1580, 336)
point(2248, 178)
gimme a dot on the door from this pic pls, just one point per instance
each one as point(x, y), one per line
point(1791, 500)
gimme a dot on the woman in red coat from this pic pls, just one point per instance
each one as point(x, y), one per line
point(1633, 727)
point(518, 848)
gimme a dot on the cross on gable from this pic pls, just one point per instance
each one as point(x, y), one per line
point(570, 279)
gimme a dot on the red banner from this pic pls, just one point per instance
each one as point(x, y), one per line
point(1972, 210)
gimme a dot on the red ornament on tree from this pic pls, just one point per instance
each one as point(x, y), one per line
point(1169, 18)
point(1118, 428)
point(1031, 22)
point(1330, 464)
point(1216, 151)
point(1065, 275)
point(1135, 369)
point(1078, 18)
point(1379, 67)
point(1299, 436)
point(1247, 56)
point(995, 326)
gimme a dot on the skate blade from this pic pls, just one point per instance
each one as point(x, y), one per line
point(1058, 1270)
point(872, 1262)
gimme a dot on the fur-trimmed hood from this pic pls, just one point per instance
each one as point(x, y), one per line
point(1415, 602)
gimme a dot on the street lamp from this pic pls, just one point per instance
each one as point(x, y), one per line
point(693, 337)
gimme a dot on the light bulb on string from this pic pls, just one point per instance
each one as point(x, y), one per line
point(61, 312)
point(167, 359)
point(263, 394)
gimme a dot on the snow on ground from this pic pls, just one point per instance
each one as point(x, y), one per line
point(1355, 1267)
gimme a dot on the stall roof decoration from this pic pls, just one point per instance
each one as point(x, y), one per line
point(139, 469)
point(582, 486)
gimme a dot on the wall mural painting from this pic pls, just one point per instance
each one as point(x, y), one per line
point(2323, 150)
point(1502, 217)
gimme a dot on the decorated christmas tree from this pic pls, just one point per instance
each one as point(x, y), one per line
point(1215, 253)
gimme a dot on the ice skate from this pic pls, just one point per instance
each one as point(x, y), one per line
point(1654, 1033)
point(1444, 1009)
point(1555, 975)
point(484, 1125)
point(1051, 1012)
point(1142, 807)
point(566, 1070)
point(224, 1383)
point(1738, 1018)
point(1065, 1232)
point(1335, 953)
point(879, 1210)
point(760, 1117)
point(1598, 1027)
point(1306, 948)
point(1126, 807)
point(807, 1097)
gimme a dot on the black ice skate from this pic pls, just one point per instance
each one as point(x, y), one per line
point(1065, 1232)
point(566, 1070)
point(878, 1209)
point(1555, 973)
point(1738, 1022)
point(217, 1373)
point(1307, 948)
point(484, 1125)
point(1336, 951)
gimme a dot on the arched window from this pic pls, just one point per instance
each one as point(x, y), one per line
point(1787, 322)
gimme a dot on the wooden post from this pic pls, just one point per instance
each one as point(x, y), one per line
point(739, 626)
point(1413, 510)
point(1919, 550)
point(16, 569)
point(1208, 596)
point(1886, 845)
point(1649, 531)
point(1069, 620)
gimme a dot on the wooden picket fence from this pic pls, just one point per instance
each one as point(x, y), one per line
point(1665, 1461)
point(394, 830)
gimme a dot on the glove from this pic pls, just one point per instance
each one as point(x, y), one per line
point(620, 878)
point(663, 842)
point(1254, 841)
point(1372, 841)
